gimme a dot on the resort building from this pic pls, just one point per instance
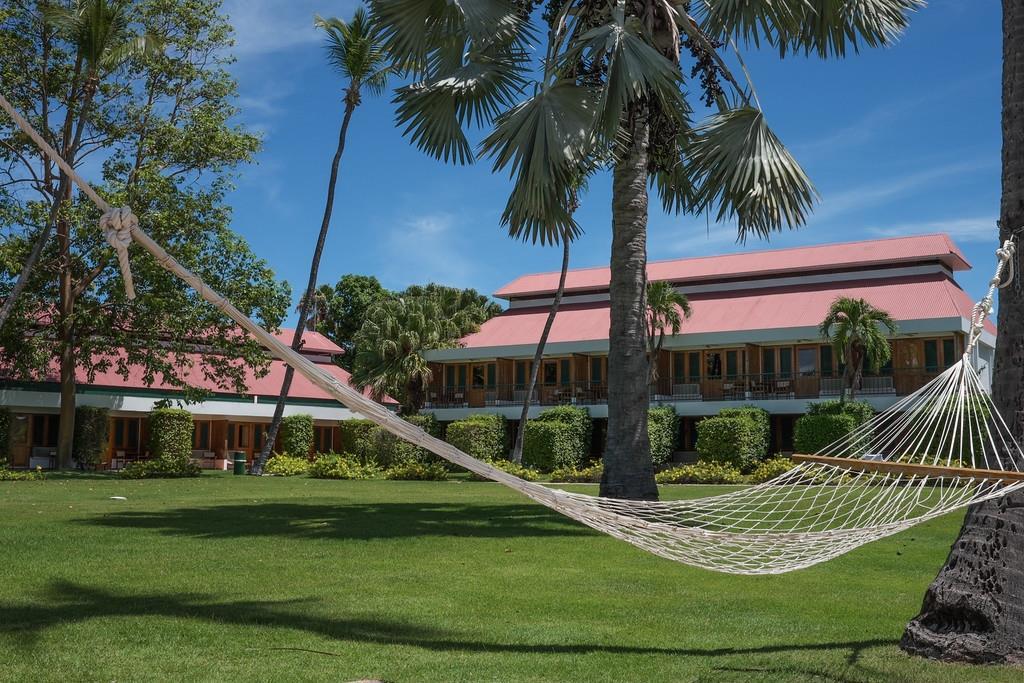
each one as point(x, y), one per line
point(225, 423)
point(752, 338)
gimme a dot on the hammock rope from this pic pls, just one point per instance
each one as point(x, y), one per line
point(935, 451)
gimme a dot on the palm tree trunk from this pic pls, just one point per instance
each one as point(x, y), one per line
point(628, 471)
point(307, 298)
point(974, 609)
point(538, 356)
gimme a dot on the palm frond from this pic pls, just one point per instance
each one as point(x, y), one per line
point(823, 27)
point(739, 165)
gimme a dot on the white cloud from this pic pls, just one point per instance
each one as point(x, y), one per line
point(973, 229)
point(425, 248)
point(264, 27)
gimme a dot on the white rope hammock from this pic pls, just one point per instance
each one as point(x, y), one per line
point(936, 451)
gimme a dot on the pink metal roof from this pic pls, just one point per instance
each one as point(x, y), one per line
point(313, 342)
point(908, 298)
point(753, 263)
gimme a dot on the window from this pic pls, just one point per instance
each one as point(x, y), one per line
point(596, 363)
point(694, 366)
point(731, 364)
point(449, 376)
point(323, 439)
point(826, 361)
point(479, 376)
point(948, 352)
point(201, 436)
point(127, 434)
point(679, 367)
point(806, 360)
point(768, 363)
point(521, 372)
point(45, 429)
point(931, 355)
point(462, 376)
point(566, 371)
point(713, 363)
point(785, 362)
point(259, 432)
point(550, 373)
point(238, 435)
point(492, 375)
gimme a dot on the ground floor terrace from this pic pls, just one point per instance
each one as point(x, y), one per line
point(749, 372)
point(222, 427)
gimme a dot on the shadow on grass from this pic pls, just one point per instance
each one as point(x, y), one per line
point(67, 602)
point(347, 521)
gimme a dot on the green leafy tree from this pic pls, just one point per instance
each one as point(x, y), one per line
point(855, 329)
point(666, 309)
point(610, 88)
point(354, 49)
point(343, 308)
point(390, 344)
point(164, 126)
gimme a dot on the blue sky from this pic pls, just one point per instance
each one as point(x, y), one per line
point(898, 141)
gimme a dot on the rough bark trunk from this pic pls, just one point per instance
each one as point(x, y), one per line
point(538, 356)
point(66, 430)
point(628, 471)
point(307, 298)
point(974, 610)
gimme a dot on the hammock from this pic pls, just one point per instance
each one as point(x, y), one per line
point(935, 451)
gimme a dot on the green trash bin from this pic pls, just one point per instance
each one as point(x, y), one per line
point(239, 462)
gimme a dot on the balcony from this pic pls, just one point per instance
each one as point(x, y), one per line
point(736, 388)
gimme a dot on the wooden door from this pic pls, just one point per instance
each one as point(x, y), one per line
point(20, 440)
point(806, 372)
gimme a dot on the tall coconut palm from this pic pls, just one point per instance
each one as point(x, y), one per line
point(974, 609)
point(390, 344)
point(855, 329)
point(101, 32)
point(611, 86)
point(666, 308)
point(355, 50)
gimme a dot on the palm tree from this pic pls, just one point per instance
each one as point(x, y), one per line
point(356, 52)
point(101, 34)
point(974, 609)
point(854, 327)
point(610, 86)
point(666, 308)
point(390, 344)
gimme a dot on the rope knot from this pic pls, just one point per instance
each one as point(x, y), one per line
point(117, 226)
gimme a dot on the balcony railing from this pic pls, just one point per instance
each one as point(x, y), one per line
point(666, 390)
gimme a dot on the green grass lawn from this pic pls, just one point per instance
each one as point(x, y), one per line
point(241, 578)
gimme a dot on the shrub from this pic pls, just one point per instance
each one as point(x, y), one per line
point(733, 441)
point(161, 468)
point(860, 410)
point(417, 471)
point(170, 434)
point(762, 419)
point(814, 432)
point(663, 432)
point(91, 432)
point(373, 444)
point(769, 469)
point(579, 420)
point(357, 438)
point(480, 436)
point(5, 433)
point(550, 445)
point(515, 469)
point(297, 435)
point(21, 475)
point(427, 422)
point(286, 466)
point(700, 473)
point(586, 475)
point(341, 466)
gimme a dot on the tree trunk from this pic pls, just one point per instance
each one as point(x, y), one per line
point(974, 610)
point(307, 298)
point(538, 356)
point(66, 430)
point(628, 471)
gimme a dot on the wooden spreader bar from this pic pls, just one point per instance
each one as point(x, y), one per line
point(1005, 476)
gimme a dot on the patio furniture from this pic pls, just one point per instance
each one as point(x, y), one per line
point(686, 392)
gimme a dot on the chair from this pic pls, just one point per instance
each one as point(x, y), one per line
point(782, 388)
point(686, 392)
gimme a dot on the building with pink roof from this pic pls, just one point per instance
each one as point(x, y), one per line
point(752, 339)
point(225, 422)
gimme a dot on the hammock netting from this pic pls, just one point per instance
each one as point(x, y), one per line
point(940, 449)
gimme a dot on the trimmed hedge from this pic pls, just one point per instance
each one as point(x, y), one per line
point(161, 468)
point(297, 435)
point(700, 473)
point(91, 433)
point(663, 432)
point(733, 441)
point(170, 434)
point(761, 418)
point(5, 434)
point(373, 444)
point(860, 410)
point(550, 445)
point(482, 436)
point(812, 433)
